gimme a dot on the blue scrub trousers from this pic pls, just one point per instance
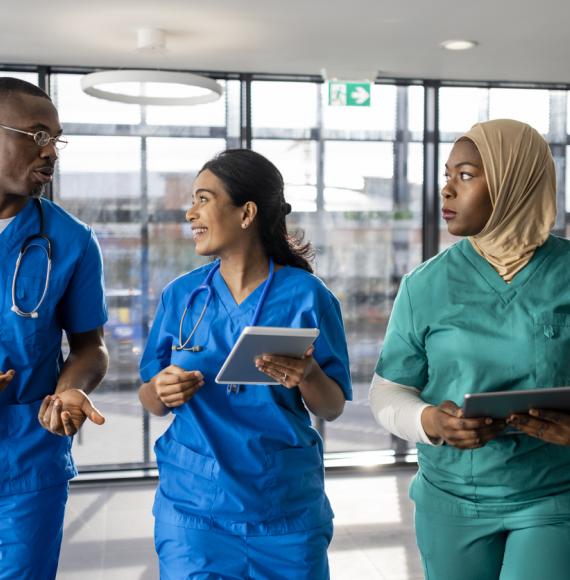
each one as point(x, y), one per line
point(186, 553)
point(515, 546)
point(31, 529)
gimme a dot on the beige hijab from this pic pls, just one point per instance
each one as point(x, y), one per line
point(521, 178)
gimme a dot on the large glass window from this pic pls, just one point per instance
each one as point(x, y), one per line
point(354, 177)
point(133, 189)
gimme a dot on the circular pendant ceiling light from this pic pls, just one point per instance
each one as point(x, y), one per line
point(151, 87)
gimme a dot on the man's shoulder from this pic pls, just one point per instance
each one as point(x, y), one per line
point(63, 221)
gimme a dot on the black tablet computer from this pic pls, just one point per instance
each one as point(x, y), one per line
point(499, 405)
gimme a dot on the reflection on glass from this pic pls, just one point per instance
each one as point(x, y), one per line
point(460, 108)
point(284, 105)
point(208, 115)
point(297, 161)
point(94, 157)
point(526, 105)
point(416, 109)
point(185, 156)
point(24, 76)
point(567, 180)
point(99, 182)
point(358, 176)
point(445, 238)
point(75, 106)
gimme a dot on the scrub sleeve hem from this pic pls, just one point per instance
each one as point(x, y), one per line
point(150, 370)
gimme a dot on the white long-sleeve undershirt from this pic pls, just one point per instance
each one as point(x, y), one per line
point(398, 409)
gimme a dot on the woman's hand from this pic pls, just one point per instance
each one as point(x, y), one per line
point(322, 395)
point(550, 426)
point(289, 372)
point(174, 386)
point(65, 412)
point(5, 378)
point(446, 423)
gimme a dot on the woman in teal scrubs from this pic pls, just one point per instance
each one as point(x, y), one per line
point(490, 313)
point(241, 491)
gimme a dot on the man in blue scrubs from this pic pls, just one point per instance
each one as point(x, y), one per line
point(43, 399)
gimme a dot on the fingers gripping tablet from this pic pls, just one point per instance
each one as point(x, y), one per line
point(239, 367)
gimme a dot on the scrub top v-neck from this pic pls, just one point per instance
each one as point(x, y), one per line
point(246, 461)
point(458, 328)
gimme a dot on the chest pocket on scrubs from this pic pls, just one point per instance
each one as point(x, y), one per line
point(552, 343)
point(29, 291)
point(295, 478)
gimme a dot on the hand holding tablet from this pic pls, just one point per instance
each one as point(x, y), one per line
point(502, 404)
point(254, 341)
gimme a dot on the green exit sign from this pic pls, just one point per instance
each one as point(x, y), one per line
point(344, 94)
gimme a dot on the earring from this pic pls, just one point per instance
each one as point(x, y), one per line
point(243, 226)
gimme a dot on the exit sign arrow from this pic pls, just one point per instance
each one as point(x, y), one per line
point(349, 94)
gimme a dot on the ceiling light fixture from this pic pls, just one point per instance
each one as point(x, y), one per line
point(151, 87)
point(458, 44)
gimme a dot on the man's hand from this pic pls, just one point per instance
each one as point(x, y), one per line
point(174, 386)
point(550, 426)
point(5, 378)
point(446, 423)
point(64, 413)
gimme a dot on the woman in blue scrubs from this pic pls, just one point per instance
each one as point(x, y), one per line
point(241, 490)
point(490, 313)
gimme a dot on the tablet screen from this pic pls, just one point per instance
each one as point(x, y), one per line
point(239, 367)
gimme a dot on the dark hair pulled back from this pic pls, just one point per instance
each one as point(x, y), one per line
point(248, 176)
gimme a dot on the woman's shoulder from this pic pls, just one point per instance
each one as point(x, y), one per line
point(562, 245)
point(306, 282)
point(429, 269)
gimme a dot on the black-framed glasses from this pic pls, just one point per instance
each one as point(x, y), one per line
point(41, 138)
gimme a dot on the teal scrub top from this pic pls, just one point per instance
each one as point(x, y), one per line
point(243, 460)
point(32, 458)
point(457, 327)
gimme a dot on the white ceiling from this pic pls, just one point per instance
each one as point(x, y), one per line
point(519, 40)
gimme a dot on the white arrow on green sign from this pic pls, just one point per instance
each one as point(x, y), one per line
point(347, 94)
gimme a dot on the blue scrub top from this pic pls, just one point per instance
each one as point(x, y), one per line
point(31, 457)
point(457, 327)
point(246, 461)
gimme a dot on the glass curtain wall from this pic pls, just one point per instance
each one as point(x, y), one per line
point(353, 176)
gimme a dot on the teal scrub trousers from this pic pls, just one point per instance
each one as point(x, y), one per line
point(507, 547)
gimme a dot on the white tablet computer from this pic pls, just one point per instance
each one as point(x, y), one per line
point(239, 368)
point(500, 405)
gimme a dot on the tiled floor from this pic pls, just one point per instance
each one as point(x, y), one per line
point(108, 530)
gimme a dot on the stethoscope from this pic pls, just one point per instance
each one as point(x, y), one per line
point(28, 243)
point(207, 286)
